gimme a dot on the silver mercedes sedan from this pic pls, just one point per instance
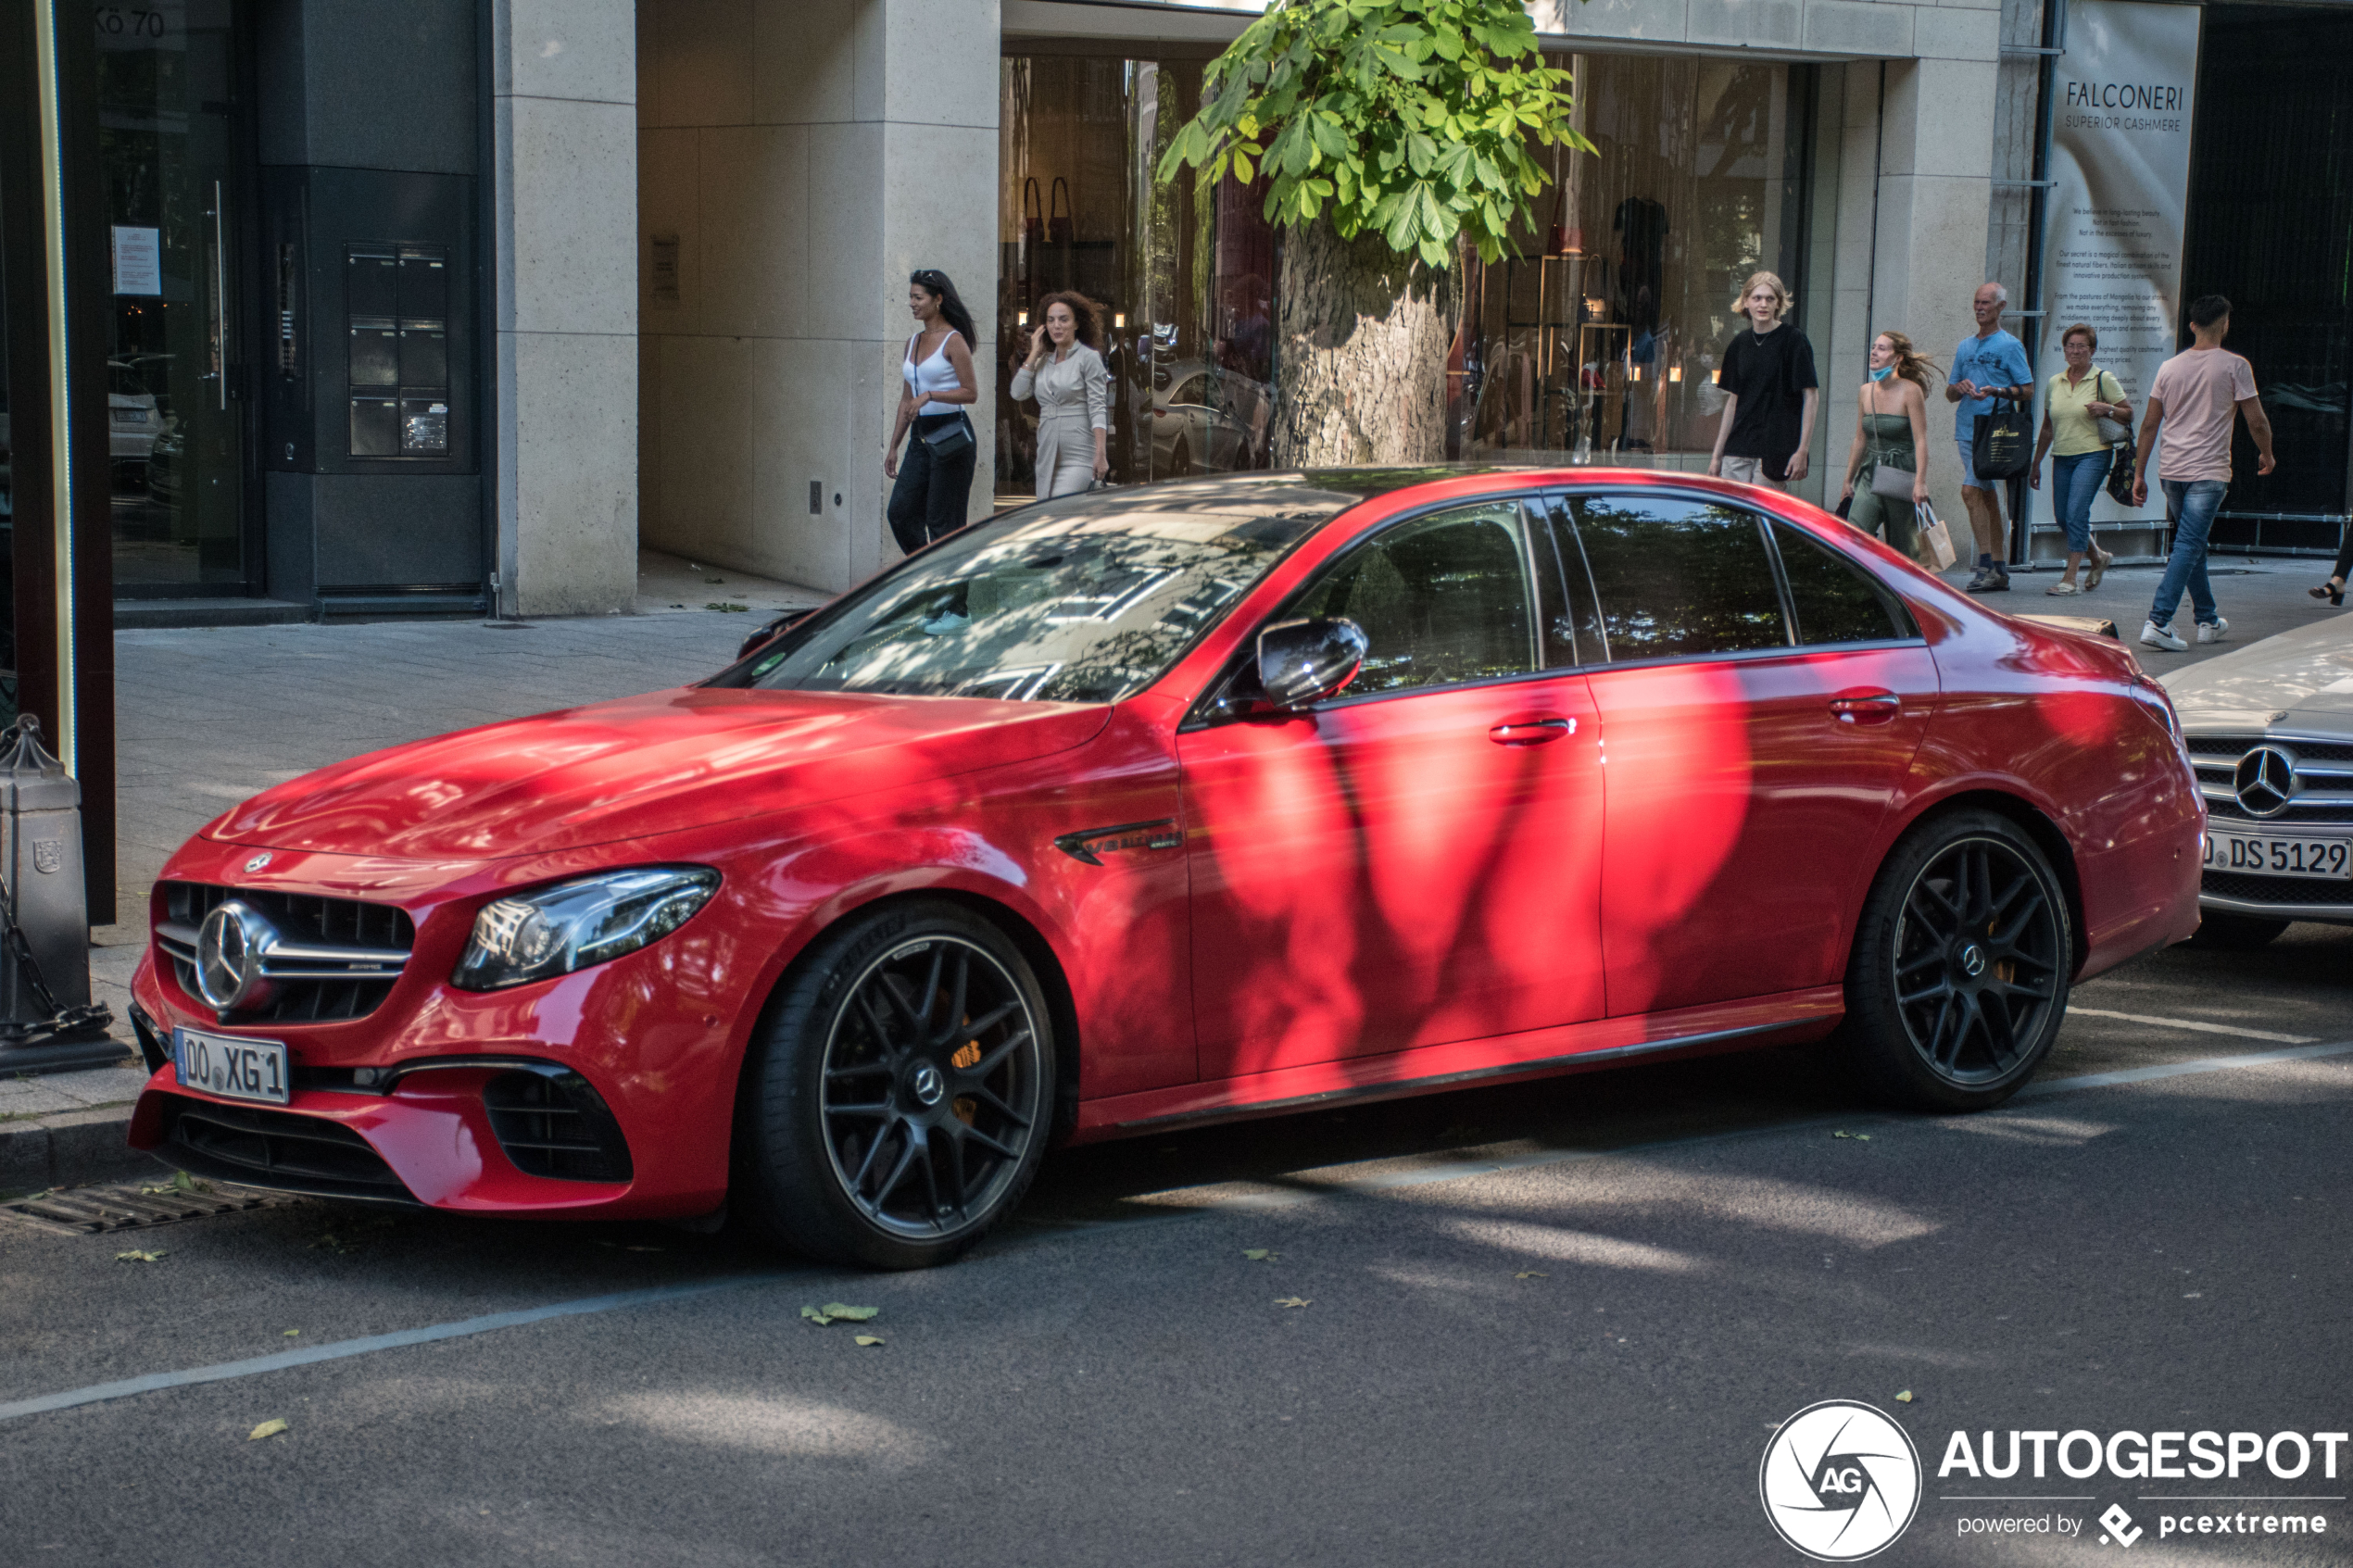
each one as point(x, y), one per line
point(2270, 730)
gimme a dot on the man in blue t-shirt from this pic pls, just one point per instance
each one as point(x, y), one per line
point(1992, 364)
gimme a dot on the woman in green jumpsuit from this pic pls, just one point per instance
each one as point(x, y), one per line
point(1890, 431)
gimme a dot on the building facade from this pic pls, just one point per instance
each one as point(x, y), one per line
point(331, 307)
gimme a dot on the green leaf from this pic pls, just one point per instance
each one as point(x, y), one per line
point(869, 1340)
point(270, 1428)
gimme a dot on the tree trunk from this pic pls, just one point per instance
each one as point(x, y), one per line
point(1362, 334)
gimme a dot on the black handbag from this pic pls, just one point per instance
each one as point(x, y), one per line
point(1999, 447)
point(2121, 460)
point(949, 440)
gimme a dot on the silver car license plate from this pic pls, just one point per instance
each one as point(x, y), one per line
point(231, 1067)
point(2265, 855)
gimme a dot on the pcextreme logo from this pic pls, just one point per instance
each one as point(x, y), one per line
point(1839, 1481)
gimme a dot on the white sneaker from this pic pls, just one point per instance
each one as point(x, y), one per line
point(2157, 637)
point(2212, 633)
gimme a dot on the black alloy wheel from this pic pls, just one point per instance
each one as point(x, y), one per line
point(902, 1095)
point(1959, 976)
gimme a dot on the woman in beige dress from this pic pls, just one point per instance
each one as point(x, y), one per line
point(1064, 372)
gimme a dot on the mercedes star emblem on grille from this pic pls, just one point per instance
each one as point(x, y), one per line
point(235, 940)
point(2265, 781)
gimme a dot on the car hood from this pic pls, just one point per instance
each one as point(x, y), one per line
point(642, 766)
point(2306, 674)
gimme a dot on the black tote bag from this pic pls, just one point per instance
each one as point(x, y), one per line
point(2000, 447)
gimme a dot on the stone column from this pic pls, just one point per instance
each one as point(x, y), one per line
point(564, 145)
point(1936, 160)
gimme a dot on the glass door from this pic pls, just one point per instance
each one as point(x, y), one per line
point(166, 139)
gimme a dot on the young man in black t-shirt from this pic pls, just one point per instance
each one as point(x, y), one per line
point(1770, 393)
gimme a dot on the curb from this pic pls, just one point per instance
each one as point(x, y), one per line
point(70, 1148)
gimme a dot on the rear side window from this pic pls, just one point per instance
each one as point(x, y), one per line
point(1442, 599)
point(1678, 578)
point(1835, 601)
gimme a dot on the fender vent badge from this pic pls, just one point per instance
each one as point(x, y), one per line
point(1088, 845)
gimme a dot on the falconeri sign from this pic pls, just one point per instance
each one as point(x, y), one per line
point(2122, 100)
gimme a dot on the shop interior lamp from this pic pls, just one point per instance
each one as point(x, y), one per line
point(1674, 373)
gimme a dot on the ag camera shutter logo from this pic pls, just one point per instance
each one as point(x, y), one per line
point(1839, 1481)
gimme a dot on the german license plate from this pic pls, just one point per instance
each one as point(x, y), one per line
point(231, 1067)
point(2327, 857)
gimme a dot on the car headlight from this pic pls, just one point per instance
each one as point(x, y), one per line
point(573, 924)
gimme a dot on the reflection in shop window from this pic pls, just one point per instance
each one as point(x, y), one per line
point(1600, 341)
point(1186, 283)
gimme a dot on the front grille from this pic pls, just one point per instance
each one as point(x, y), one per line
point(342, 956)
point(552, 1123)
point(278, 1148)
point(2236, 746)
point(2321, 790)
point(2309, 891)
point(2225, 808)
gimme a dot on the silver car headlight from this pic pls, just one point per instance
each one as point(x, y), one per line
point(573, 924)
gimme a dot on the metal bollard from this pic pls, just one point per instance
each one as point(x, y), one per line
point(46, 1021)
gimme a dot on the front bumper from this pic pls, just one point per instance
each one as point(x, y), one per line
point(607, 1093)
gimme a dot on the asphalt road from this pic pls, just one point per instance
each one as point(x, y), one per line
point(1544, 1325)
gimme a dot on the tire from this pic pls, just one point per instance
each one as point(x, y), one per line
point(1959, 979)
point(899, 1096)
point(2236, 934)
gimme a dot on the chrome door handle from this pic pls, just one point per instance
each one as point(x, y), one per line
point(1531, 732)
point(1867, 707)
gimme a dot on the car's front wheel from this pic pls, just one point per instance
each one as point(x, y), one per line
point(1957, 982)
point(899, 1096)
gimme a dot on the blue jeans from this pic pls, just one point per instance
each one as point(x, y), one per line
point(2192, 503)
point(2075, 484)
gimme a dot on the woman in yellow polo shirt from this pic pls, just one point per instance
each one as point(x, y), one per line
point(2079, 396)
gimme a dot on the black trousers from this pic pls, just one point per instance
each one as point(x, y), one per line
point(928, 501)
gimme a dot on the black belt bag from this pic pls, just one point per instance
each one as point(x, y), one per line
point(951, 439)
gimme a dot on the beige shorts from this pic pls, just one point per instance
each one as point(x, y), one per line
point(1748, 471)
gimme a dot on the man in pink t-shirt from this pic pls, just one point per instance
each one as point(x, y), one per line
point(2190, 408)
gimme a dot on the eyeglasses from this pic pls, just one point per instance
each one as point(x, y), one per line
point(930, 279)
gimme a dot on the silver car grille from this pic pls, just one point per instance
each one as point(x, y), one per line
point(340, 962)
point(2298, 781)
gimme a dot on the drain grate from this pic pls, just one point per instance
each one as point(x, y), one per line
point(134, 1206)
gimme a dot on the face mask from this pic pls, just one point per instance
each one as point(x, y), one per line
point(1882, 372)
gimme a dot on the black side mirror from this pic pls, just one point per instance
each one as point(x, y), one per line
point(1302, 662)
point(770, 632)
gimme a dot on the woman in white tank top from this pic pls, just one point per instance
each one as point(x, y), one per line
point(933, 485)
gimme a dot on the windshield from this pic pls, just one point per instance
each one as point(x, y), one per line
point(1083, 599)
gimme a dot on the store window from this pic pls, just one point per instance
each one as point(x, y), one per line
point(1185, 282)
point(166, 97)
point(1602, 339)
point(1599, 343)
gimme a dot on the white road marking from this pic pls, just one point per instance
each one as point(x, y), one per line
point(2193, 1024)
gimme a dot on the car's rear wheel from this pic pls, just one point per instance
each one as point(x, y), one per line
point(2236, 934)
point(900, 1095)
point(1959, 979)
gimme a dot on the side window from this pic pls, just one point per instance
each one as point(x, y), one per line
point(1679, 578)
point(1442, 599)
point(1835, 600)
point(1190, 393)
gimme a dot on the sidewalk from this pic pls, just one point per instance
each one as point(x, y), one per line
point(206, 716)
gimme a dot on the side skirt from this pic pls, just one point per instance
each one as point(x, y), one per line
point(1789, 1017)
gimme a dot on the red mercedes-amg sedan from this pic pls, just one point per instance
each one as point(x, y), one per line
point(1151, 807)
